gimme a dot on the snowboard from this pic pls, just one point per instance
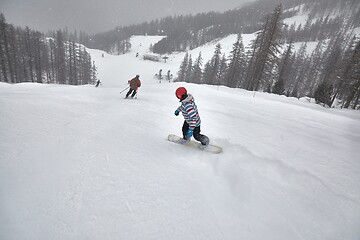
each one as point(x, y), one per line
point(194, 144)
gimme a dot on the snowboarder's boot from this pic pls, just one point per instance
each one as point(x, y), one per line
point(204, 141)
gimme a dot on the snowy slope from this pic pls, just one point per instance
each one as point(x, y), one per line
point(298, 19)
point(84, 163)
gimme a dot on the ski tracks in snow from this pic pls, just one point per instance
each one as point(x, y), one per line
point(272, 183)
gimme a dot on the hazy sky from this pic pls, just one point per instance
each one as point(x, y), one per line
point(93, 16)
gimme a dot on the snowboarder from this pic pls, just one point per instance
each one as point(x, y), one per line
point(135, 83)
point(188, 108)
point(98, 82)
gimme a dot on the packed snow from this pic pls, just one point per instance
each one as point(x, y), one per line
point(79, 162)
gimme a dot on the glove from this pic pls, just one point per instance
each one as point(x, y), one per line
point(176, 112)
point(189, 133)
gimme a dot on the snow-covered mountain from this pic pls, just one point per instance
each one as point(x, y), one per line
point(319, 19)
point(79, 162)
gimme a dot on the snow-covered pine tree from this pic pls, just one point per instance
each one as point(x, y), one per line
point(323, 93)
point(60, 65)
point(314, 66)
point(197, 70)
point(72, 64)
point(189, 70)
point(207, 72)
point(265, 50)
point(237, 62)
point(93, 73)
point(214, 66)
point(220, 77)
point(183, 68)
point(353, 76)
point(333, 57)
point(300, 70)
point(284, 71)
point(341, 86)
point(6, 66)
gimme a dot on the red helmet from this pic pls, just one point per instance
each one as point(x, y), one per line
point(180, 92)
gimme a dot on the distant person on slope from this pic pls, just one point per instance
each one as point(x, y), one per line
point(188, 108)
point(98, 82)
point(135, 83)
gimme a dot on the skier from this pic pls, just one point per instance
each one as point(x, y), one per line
point(191, 126)
point(135, 83)
point(98, 82)
point(168, 76)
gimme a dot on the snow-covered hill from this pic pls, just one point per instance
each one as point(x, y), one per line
point(85, 163)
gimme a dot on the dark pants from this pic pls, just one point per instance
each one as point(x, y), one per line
point(129, 92)
point(196, 133)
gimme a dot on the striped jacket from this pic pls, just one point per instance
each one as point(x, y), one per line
point(189, 110)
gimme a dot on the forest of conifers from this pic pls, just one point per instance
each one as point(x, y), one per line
point(331, 72)
point(30, 56)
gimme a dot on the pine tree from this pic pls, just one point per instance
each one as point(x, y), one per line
point(214, 67)
point(279, 87)
point(352, 74)
point(314, 67)
point(220, 77)
point(36, 53)
point(183, 68)
point(332, 61)
point(323, 93)
point(60, 65)
point(93, 73)
point(189, 70)
point(29, 53)
point(265, 50)
point(207, 72)
point(70, 63)
point(237, 63)
point(3, 44)
point(299, 71)
point(52, 60)
point(5, 36)
point(197, 72)
point(284, 72)
point(13, 48)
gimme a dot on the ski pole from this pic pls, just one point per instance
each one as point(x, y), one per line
point(124, 90)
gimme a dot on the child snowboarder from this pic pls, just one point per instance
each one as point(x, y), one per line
point(135, 83)
point(188, 108)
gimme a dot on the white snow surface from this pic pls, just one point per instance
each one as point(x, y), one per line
point(298, 19)
point(79, 162)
